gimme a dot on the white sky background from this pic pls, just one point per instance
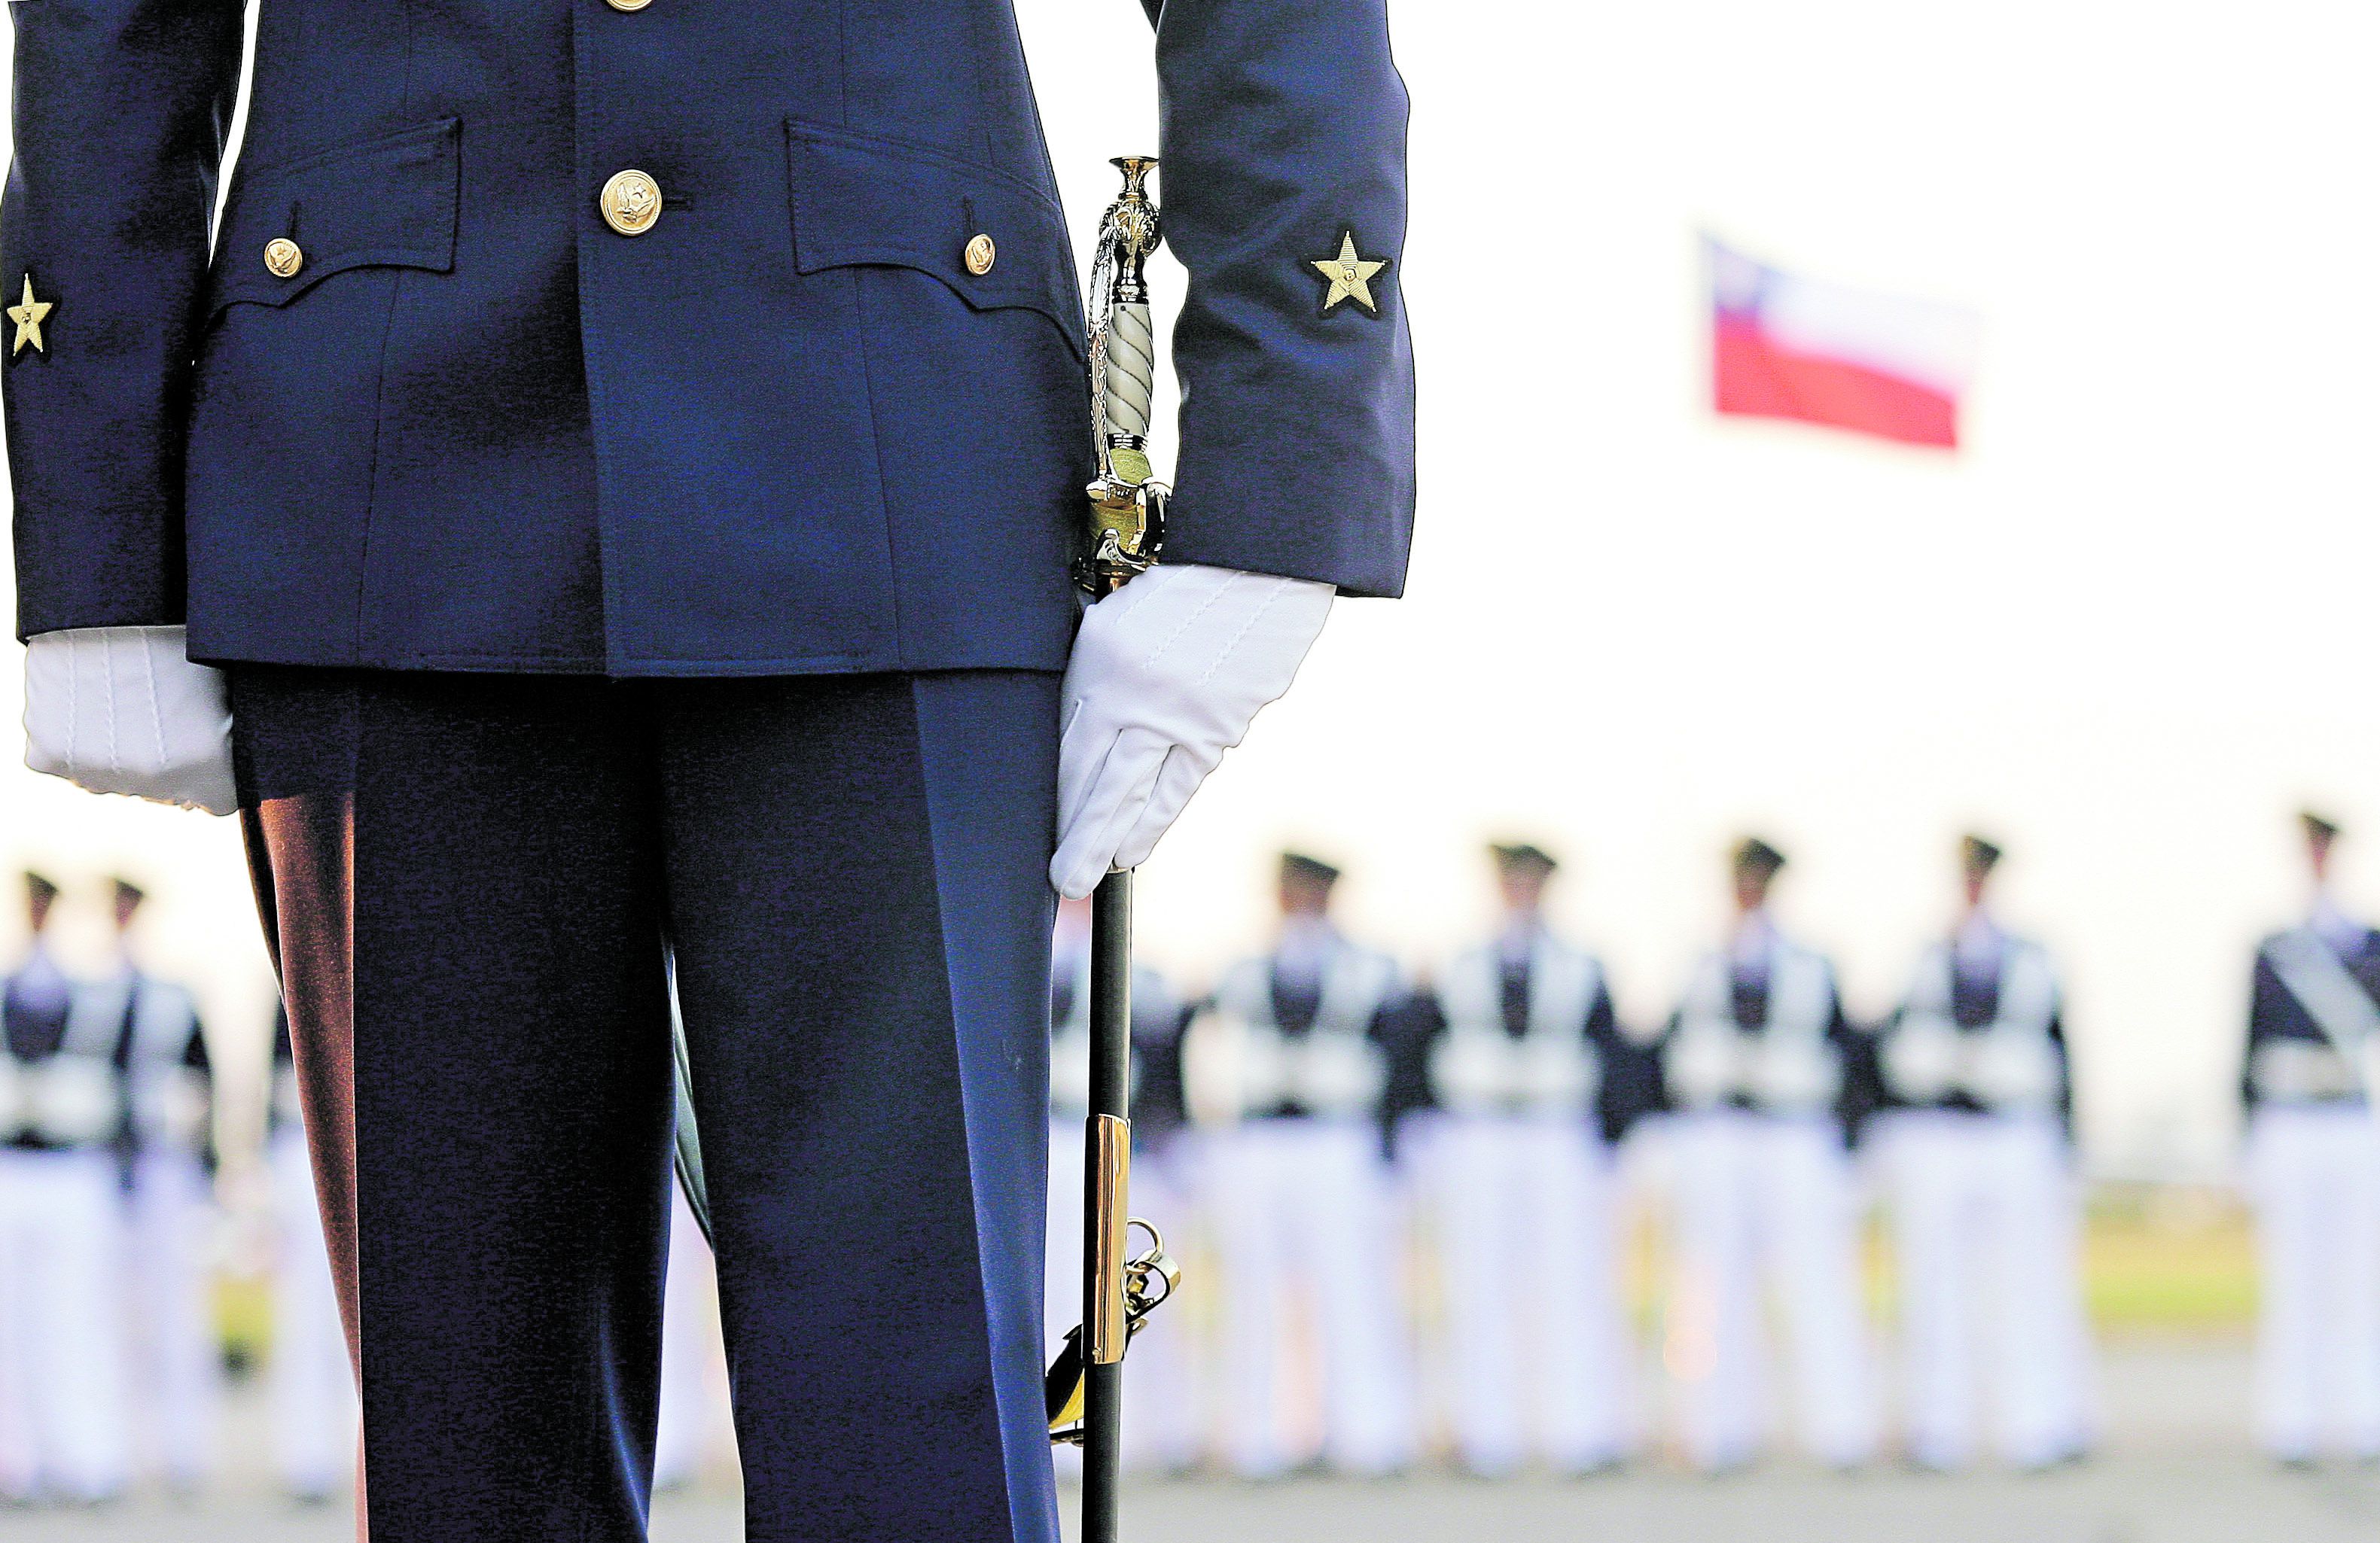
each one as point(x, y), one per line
point(2126, 631)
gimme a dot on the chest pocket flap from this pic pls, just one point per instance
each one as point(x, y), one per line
point(863, 200)
point(384, 202)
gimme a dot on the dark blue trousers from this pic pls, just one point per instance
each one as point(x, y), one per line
point(477, 886)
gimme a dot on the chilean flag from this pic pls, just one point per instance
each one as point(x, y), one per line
point(1783, 346)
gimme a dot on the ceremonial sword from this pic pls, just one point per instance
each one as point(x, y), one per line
point(1127, 527)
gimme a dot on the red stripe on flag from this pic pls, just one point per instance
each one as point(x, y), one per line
point(1752, 377)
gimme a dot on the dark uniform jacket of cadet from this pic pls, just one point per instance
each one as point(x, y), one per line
point(1626, 1072)
point(1973, 1004)
point(462, 422)
point(1858, 1093)
point(2292, 1058)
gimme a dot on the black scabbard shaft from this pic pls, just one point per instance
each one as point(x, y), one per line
point(1107, 1152)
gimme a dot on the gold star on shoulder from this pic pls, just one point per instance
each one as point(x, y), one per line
point(1350, 275)
point(27, 314)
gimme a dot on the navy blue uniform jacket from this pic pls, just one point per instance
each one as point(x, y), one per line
point(786, 430)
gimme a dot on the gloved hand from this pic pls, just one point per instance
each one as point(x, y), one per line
point(123, 710)
point(1165, 676)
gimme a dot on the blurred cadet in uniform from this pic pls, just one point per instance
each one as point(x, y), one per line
point(176, 1363)
point(1520, 1192)
point(62, 1390)
point(1160, 1426)
point(1978, 1150)
point(1300, 1192)
point(1765, 1077)
point(312, 1381)
point(2314, 1171)
point(694, 1408)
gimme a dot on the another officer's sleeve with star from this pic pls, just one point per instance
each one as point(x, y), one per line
point(1283, 181)
point(121, 110)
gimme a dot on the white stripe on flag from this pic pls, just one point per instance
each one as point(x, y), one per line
point(1925, 341)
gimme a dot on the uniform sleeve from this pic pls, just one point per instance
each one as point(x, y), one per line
point(121, 110)
point(2065, 1073)
point(1863, 1092)
point(2263, 1006)
point(1405, 1031)
point(1281, 140)
point(1628, 1090)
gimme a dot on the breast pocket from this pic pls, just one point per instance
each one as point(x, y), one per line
point(994, 241)
point(388, 202)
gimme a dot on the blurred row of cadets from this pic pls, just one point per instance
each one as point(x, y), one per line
point(1405, 1213)
point(1411, 1218)
point(110, 1354)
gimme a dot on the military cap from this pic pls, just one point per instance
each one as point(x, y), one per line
point(2319, 829)
point(1978, 855)
point(1312, 870)
point(1510, 855)
point(1753, 855)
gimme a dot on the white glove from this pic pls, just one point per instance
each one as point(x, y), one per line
point(1165, 676)
point(123, 710)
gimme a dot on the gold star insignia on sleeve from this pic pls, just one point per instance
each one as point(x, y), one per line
point(27, 314)
point(1350, 275)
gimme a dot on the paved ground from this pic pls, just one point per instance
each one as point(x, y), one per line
point(2176, 1470)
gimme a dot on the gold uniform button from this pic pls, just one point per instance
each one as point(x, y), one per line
point(631, 203)
point(283, 258)
point(980, 253)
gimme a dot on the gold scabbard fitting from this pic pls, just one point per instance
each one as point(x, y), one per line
point(1111, 1182)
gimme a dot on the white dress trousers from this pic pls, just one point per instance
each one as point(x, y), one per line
point(1986, 1232)
point(1766, 1199)
point(2313, 1174)
point(1535, 1342)
point(63, 1397)
point(176, 1361)
point(1315, 1329)
point(695, 1425)
point(313, 1385)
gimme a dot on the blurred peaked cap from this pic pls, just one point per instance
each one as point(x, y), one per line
point(1978, 855)
point(125, 890)
point(1525, 855)
point(40, 886)
point(2318, 828)
point(1752, 855)
point(1297, 865)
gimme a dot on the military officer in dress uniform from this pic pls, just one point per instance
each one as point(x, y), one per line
point(2313, 1173)
point(169, 1205)
point(1979, 1158)
point(1521, 1190)
point(63, 1410)
point(625, 461)
point(1763, 1075)
point(313, 1385)
point(1300, 1190)
point(1161, 1426)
